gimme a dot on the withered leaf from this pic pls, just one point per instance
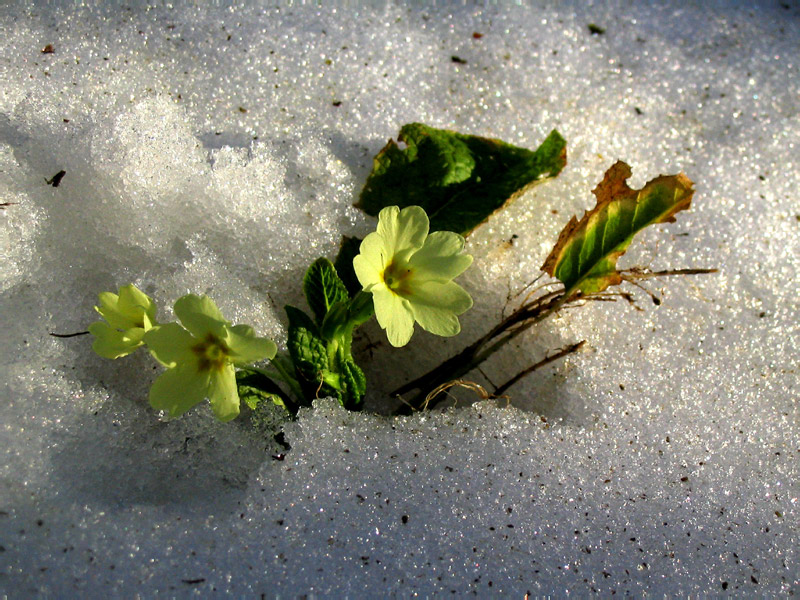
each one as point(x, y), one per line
point(585, 255)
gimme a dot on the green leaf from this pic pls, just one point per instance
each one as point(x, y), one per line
point(344, 317)
point(283, 365)
point(335, 321)
point(323, 288)
point(360, 309)
point(354, 382)
point(309, 355)
point(460, 180)
point(255, 388)
point(305, 344)
point(348, 250)
point(585, 256)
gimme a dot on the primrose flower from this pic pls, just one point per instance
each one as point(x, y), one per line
point(200, 358)
point(129, 315)
point(410, 274)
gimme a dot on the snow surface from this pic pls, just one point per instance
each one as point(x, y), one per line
point(219, 150)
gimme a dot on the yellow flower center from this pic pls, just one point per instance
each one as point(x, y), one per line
point(397, 278)
point(211, 353)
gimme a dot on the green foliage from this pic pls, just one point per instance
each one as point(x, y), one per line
point(353, 381)
point(320, 353)
point(344, 263)
point(255, 387)
point(585, 255)
point(309, 354)
point(360, 309)
point(460, 180)
point(323, 288)
point(334, 321)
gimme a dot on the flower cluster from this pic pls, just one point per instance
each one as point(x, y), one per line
point(407, 277)
point(200, 353)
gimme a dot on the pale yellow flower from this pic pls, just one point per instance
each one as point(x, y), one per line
point(129, 315)
point(200, 358)
point(410, 274)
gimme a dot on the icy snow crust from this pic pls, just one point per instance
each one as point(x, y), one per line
point(219, 150)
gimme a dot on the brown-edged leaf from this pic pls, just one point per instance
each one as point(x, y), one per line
point(585, 256)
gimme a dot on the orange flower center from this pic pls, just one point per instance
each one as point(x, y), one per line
point(212, 353)
point(398, 278)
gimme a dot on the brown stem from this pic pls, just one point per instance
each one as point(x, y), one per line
point(522, 319)
point(545, 361)
point(474, 354)
point(634, 274)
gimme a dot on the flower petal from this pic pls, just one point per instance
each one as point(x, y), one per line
point(439, 258)
point(224, 394)
point(170, 344)
point(448, 296)
point(179, 389)
point(112, 343)
point(438, 321)
point(394, 315)
point(133, 303)
point(371, 260)
point(149, 322)
point(246, 348)
point(200, 315)
point(435, 306)
point(109, 310)
point(403, 231)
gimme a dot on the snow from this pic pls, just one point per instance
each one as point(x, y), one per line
point(219, 150)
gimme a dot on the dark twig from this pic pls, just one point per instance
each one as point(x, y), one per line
point(477, 352)
point(69, 335)
point(545, 361)
point(529, 313)
point(633, 274)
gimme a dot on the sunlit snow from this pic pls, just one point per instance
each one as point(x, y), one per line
point(219, 150)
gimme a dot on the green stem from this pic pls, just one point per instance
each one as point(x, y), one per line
point(285, 377)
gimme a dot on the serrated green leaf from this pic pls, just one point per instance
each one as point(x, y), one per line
point(323, 288)
point(304, 342)
point(348, 250)
point(585, 255)
point(305, 345)
point(460, 180)
point(310, 356)
point(255, 388)
point(354, 382)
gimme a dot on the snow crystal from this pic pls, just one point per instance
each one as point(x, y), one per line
point(220, 150)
